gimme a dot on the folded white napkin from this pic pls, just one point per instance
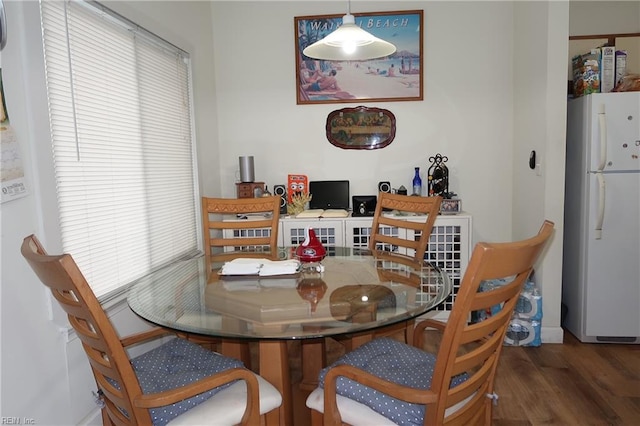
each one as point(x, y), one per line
point(279, 267)
point(242, 266)
point(262, 267)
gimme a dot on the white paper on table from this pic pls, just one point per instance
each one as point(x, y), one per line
point(242, 266)
point(279, 267)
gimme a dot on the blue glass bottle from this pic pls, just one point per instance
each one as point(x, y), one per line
point(417, 183)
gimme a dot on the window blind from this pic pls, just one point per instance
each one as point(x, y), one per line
point(121, 128)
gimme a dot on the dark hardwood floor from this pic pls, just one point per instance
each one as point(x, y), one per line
point(569, 384)
point(555, 384)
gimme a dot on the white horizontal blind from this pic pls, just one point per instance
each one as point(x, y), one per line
point(120, 113)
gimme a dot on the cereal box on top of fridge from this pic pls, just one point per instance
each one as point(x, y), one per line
point(586, 73)
point(621, 65)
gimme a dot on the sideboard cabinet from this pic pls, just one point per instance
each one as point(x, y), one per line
point(449, 245)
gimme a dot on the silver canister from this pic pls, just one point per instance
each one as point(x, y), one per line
point(247, 173)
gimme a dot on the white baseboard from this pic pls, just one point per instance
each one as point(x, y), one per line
point(552, 334)
point(94, 418)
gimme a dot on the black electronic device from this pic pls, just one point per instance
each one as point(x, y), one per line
point(384, 187)
point(329, 194)
point(281, 190)
point(364, 205)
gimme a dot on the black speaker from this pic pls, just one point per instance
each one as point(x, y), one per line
point(364, 205)
point(281, 190)
point(384, 186)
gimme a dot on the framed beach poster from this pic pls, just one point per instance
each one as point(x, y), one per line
point(398, 77)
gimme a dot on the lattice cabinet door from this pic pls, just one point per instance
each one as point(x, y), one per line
point(330, 232)
point(450, 248)
point(251, 233)
point(358, 234)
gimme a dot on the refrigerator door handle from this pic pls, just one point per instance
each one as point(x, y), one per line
point(601, 199)
point(602, 125)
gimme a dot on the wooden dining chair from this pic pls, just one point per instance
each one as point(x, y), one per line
point(402, 241)
point(405, 240)
point(177, 381)
point(246, 226)
point(389, 382)
point(239, 227)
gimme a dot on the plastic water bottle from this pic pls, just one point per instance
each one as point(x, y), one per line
point(417, 183)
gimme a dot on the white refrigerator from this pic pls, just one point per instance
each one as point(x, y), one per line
point(601, 257)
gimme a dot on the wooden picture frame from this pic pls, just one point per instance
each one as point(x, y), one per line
point(398, 77)
point(361, 128)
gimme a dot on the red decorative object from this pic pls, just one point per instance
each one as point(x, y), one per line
point(311, 250)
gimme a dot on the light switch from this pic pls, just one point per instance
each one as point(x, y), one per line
point(538, 169)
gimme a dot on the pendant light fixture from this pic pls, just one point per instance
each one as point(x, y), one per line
point(349, 43)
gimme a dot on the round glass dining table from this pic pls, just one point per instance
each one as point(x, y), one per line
point(350, 292)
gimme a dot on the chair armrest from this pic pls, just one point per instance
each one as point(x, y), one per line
point(252, 411)
point(331, 413)
point(143, 336)
point(418, 332)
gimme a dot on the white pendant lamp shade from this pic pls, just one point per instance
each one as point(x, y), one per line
point(349, 43)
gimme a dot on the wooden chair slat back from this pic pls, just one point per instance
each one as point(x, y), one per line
point(107, 356)
point(219, 214)
point(476, 348)
point(412, 250)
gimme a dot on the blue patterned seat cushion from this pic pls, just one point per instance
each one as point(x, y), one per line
point(393, 361)
point(175, 364)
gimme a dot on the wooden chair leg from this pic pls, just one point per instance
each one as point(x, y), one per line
point(317, 419)
point(106, 421)
point(408, 331)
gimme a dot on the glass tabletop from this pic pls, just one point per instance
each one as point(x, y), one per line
point(349, 291)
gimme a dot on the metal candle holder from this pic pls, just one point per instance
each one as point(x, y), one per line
point(438, 176)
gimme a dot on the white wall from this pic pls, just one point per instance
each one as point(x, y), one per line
point(487, 104)
point(33, 355)
point(540, 126)
point(603, 17)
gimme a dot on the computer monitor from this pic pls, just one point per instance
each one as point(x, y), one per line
point(329, 194)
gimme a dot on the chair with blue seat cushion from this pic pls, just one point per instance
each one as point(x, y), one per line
point(396, 362)
point(178, 382)
point(227, 237)
point(389, 382)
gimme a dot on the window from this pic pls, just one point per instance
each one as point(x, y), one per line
point(120, 117)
